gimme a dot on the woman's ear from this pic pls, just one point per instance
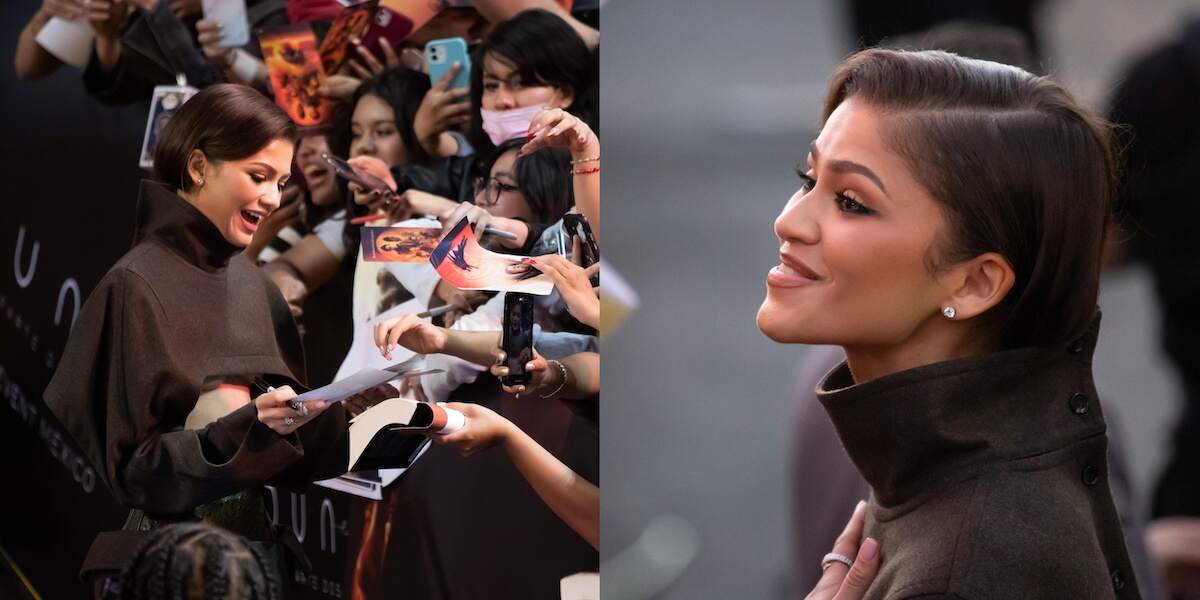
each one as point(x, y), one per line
point(197, 165)
point(976, 285)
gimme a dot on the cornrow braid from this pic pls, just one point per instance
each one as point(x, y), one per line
point(178, 560)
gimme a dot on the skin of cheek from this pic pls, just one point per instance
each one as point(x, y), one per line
point(876, 290)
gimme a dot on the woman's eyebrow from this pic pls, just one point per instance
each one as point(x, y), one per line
point(846, 166)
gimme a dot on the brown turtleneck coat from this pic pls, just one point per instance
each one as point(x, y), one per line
point(989, 476)
point(181, 307)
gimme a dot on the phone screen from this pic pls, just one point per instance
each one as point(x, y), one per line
point(517, 336)
point(577, 226)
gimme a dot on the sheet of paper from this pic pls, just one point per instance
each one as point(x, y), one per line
point(463, 263)
point(365, 379)
point(69, 41)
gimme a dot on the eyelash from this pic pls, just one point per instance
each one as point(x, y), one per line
point(845, 203)
point(256, 178)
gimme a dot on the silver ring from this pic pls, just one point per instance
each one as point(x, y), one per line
point(289, 421)
point(833, 557)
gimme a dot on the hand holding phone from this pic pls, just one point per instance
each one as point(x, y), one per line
point(440, 57)
point(517, 337)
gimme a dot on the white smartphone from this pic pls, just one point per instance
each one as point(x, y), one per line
point(231, 14)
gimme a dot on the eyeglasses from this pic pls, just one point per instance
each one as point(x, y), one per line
point(493, 187)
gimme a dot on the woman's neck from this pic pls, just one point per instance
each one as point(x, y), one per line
point(933, 342)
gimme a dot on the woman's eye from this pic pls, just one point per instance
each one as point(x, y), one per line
point(384, 132)
point(850, 205)
point(490, 87)
point(354, 135)
point(257, 178)
point(807, 183)
point(504, 187)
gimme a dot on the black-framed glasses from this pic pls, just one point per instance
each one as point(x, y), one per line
point(493, 187)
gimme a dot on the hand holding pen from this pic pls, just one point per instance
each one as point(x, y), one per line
point(278, 409)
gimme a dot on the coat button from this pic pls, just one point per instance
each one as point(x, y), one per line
point(1078, 404)
point(1091, 475)
point(1118, 580)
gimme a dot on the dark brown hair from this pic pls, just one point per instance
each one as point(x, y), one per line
point(1017, 166)
point(189, 560)
point(225, 121)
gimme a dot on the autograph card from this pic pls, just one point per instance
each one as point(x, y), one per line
point(290, 54)
point(466, 265)
point(399, 244)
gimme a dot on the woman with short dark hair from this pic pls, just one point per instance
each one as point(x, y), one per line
point(947, 234)
point(184, 313)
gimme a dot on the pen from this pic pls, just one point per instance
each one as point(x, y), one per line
point(296, 405)
point(433, 312)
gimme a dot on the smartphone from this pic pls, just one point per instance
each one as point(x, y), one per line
point(576, 226)
point(231, 14)
point(345, 171)
point(517, 337)
point(440, 56)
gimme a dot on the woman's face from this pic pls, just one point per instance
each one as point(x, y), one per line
point(854, 248)
point(322, 185)
point(238, 194)
point(504, 90)
point(511, 203)
point(373, 132)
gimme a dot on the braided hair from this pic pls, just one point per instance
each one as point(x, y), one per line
point(186, 560)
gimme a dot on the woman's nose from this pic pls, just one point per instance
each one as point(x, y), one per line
point(365, 146)
point(505, 100)
point(798, 221)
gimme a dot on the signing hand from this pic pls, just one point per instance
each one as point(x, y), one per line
point(274, 412)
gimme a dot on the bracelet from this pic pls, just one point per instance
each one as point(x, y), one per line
point(585, 160)
point(562, 368)
point(585, 171)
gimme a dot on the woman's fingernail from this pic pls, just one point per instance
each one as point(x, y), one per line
point(355, 41)
point(529, 366)
point(391, 347)
point(869, 548)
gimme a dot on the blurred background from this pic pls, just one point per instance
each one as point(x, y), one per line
point(706, 112)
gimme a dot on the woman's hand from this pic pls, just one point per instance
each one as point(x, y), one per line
point(441, 109)
point(573, 283)
point(478, 217)
point(274, 412)
point(464, 301)
point(539, 374)
point(209, 34)
point(106, 17)
point(373, 65)
point(484, 429)
point(552, 127)
point(291, 287)
point(68, 10)
point(411, 332)
point(840, 582)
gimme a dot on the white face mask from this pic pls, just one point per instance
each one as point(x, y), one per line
point(504, 125)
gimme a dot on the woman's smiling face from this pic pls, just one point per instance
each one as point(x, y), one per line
point(856, 243)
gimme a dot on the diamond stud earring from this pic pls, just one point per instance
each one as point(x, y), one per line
point(948, 312)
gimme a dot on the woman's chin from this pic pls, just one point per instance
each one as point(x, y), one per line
point(782, 326)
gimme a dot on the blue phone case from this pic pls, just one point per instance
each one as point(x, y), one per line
point(441, 54)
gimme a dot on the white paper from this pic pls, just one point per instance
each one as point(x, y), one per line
point(342, 389)
point(363, 351)
point(69, 41)
point(231, 14)
point(580, 586)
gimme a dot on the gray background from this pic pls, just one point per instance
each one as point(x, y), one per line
point(707, 107)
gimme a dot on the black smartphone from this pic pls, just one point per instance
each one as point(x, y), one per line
point(517, 337)
point(576, 226)
point(345, 171)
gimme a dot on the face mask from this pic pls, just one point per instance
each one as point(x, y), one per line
point(505, 125)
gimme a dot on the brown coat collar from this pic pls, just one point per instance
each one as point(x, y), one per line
point(913, 432)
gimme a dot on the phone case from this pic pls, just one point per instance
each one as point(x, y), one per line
point(440, 56)
point(231, 14)
point(517, 336)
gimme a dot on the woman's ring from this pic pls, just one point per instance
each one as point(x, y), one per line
point(289, 421)
point(833, 557)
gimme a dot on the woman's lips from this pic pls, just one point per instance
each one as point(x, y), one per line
point(791, 273)
point(250, 220)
